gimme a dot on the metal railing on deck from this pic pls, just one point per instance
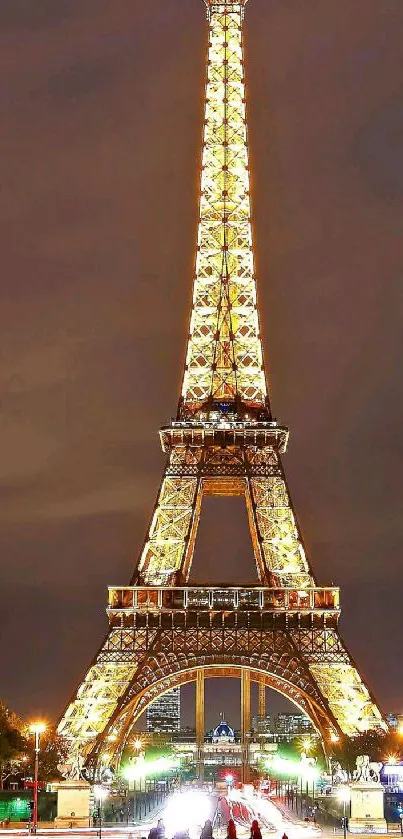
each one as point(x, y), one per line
point(219, 599)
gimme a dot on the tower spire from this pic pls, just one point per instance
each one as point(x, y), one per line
point(224, 359)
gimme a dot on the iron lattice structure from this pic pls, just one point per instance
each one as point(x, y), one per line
point(223, 441)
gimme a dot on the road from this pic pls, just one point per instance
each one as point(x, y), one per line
point(190, 809)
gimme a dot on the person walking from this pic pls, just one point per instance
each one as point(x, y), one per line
point(207, 830)
point(231, 829)
point(255, 832)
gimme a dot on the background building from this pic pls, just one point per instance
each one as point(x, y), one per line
point(395, 721)
point(164, 714)
point(222, 751)
point(261, 727)
point(287, 726)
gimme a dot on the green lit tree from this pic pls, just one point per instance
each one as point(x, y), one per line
point(53, 753)
point(379, 745)
point(12, 742)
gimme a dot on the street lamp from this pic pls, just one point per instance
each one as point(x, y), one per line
point(100, 793)
point(343, 794)
point(306, 745)
point(229, 779)
point(36, 728)
point(24, 761)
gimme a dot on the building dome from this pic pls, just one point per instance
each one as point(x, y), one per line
point(223, 733)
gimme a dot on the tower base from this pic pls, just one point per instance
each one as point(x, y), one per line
point(367, 815)
point(73, 804)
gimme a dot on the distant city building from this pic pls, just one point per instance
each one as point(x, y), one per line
point(395, 721)
point(223, 733)
point(287, 726)
point(164, 714)
point(262, 726)
point(222, 750)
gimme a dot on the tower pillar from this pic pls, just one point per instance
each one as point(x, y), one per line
point(245, 723)
point(200, 727)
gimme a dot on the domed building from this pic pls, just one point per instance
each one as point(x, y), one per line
point(223, 733)
point(222, 750)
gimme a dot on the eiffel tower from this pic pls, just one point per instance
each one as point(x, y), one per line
point(281, 632)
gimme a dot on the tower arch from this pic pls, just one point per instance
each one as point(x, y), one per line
point(110, 746)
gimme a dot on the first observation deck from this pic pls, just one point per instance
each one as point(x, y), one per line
point(217, 604)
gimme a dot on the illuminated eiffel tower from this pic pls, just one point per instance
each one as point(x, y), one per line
point(281, 632)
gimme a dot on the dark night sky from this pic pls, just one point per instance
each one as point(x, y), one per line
point(101, 110)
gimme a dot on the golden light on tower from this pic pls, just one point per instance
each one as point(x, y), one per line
point(223, 441)
point(224, 356)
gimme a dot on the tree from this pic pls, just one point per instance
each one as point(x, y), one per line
point(379, 745)
point(12, 742)
point(53, 753)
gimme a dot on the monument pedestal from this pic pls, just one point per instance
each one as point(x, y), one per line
point(367, 814)
point(73, 804)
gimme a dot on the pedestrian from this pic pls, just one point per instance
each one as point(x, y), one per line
point(207, 830)
point(284, 836)
point(231, 829)
point(160, 829)
point(255, 830)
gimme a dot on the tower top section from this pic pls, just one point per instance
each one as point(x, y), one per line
point(224, 371)
point(221, 6)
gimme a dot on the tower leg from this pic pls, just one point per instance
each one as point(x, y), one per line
point(245, 723)
point(200, 723)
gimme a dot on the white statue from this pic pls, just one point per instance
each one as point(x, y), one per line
point(72, 771)
point(367, 770)
point(339, 775)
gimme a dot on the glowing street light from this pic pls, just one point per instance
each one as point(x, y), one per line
point(343, 794)
point(229, 780)
point(24, 761)
point(100, 793)
point(36, 728)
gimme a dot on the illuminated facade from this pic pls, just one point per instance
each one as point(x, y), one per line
point(283, 631)
point(164, 714)
point(288, 726)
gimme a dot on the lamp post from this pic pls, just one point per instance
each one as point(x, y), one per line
point(343, 795)
point(229, 779)
point(36, 728)
point(100, 793)
point(24, 761)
